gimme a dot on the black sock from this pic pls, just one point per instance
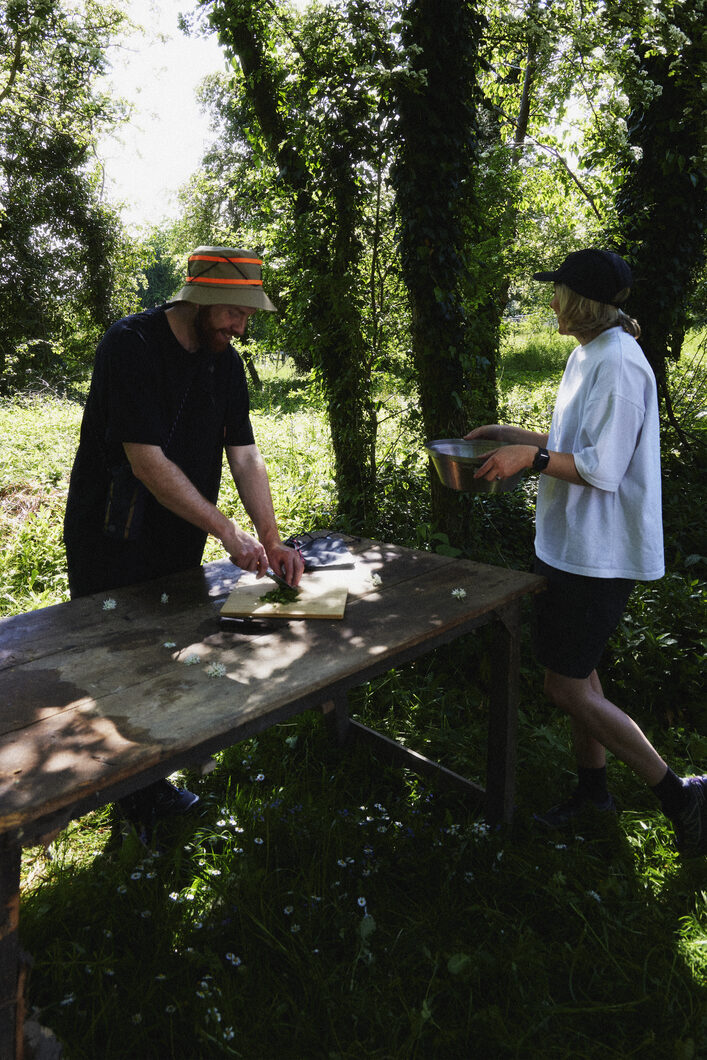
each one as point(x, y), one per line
point(591, 783)
point(671, 792)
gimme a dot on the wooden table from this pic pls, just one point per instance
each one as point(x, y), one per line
point(97, 703)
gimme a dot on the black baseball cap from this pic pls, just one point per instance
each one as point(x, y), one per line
point(597, 274)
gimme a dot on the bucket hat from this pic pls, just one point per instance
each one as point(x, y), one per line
point(597, 274)
point(224, 276)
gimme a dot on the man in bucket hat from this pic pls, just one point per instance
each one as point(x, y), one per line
point(168, 394)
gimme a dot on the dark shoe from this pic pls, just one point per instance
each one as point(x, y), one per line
point(146, 807)
point(576, 807)
point(169, 801)
point(691, 823)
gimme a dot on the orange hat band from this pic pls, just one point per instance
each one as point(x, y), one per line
point(207, 279)
point(217, 260)
point(227, 261)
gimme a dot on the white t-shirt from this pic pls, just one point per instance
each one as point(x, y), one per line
point(607, 416)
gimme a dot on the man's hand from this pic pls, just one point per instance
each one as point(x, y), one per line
point(244, 550)
point(287, 562)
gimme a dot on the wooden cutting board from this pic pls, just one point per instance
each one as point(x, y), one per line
point(322, 594)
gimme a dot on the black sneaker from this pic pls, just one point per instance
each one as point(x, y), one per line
point(146, 807)
point(577, 806)
point(691, 823)
point(168, 801)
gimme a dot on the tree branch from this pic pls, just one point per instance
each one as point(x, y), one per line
point(14, 68)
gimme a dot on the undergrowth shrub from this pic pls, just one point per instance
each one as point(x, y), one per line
point(33, 559)
point(659, 650)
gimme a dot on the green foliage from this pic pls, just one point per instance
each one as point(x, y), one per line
point(658, 657)
point(162, 276)
point(37, 442)
point(662, 199)
point(686, 386)
point(440, 218)
point(530, 370)
point(62, 247)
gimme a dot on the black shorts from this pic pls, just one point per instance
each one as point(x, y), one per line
point(574, 618)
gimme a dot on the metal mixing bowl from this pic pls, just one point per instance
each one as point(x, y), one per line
point(456, 460)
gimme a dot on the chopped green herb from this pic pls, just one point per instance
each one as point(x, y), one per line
point(281, 595)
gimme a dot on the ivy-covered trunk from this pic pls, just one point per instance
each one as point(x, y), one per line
point(340, 362)
point(454, 320)
point(661, 202)
point(314, 139)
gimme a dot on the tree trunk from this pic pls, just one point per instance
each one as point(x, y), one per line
point(326, 253)
point(453, 316)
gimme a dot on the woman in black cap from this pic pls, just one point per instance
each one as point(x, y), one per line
point(598, 531)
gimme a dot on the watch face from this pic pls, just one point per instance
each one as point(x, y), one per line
point(542, 459)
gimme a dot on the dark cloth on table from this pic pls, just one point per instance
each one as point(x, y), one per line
point(149, 390)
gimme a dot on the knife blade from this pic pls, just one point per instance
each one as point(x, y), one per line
point(270, 573)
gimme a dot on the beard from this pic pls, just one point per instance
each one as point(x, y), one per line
point(210, 338)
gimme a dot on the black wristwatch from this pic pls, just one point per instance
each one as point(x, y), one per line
point(541, 460)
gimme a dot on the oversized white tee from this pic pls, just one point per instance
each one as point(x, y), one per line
point(606, 415)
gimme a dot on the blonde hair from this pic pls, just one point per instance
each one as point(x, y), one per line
point(580, 314)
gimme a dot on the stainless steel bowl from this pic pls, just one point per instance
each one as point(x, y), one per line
point(456, 460)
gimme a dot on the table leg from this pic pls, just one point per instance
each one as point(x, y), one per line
point(336, 715)
point(503, 714)
point(11, 982)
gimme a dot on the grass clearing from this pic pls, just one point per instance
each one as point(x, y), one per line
point(323, 905)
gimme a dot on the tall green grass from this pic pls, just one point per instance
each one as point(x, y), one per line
point(38, 438)
point(323, 905)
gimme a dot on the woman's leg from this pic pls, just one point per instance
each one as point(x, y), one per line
point(598, 724)
point(589, 753)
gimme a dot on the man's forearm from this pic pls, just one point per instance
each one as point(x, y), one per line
point(171, 487)
point(251, 479)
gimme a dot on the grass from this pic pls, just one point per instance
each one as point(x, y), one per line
point(322, 905)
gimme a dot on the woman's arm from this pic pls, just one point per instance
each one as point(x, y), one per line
point(497, 432)
point(518, 453)
point(504, 462)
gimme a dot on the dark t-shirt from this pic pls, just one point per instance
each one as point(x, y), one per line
point(148, 389)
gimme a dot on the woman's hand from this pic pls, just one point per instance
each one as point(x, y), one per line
point(508, 435)
point(507, 461)
point(493, 431)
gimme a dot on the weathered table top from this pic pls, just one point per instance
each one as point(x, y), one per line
point(91, 697)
